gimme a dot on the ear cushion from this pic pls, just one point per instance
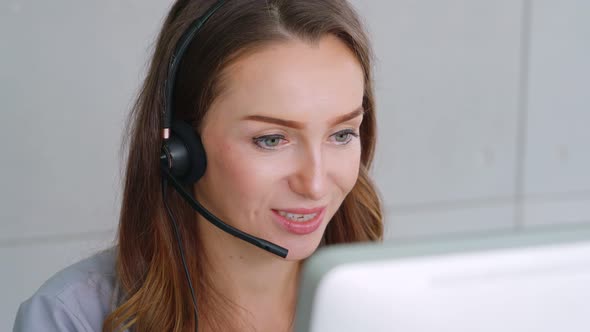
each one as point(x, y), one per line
point(195, 152)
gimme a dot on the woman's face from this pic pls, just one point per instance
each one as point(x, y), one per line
point(282, 142)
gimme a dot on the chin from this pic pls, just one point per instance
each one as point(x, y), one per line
point(301, 250)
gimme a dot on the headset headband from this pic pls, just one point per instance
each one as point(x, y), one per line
point(173, 66)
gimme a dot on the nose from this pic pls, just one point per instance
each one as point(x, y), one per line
point(310, 180)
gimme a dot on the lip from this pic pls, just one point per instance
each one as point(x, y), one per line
point(300, 228)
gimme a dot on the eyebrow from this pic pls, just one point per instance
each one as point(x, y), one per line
point(300, 125)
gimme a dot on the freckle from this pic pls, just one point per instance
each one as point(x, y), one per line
point(241, 257)
point(231, 257)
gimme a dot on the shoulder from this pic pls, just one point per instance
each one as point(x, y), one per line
point(77, 298)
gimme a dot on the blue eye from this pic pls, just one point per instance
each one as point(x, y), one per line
point(344, 136)
point(268, 142)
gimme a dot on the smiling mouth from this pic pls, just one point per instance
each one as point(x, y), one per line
point(297, 217)
point(300, 221)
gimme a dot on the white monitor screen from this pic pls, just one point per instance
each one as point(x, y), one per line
point(535, 281)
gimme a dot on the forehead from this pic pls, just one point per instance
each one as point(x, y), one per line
point(294, 79)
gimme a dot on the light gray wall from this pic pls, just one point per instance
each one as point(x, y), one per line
point(483, 116)
point(69, 72)
point(484, 112)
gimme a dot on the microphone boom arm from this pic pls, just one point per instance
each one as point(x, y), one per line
point(261, 243)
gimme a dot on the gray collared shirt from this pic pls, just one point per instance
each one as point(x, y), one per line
point(78, 298)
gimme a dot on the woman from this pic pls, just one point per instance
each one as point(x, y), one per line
point(280, 94)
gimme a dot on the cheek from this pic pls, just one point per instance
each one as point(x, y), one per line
point(237, 174)
point(229, 171)
point(346, 170)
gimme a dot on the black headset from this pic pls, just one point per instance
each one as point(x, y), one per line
point(183, 160)
point(182, 157)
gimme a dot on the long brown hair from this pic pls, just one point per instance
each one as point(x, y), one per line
point(149, 269)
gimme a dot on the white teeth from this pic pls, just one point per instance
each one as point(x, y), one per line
point(297, 217)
